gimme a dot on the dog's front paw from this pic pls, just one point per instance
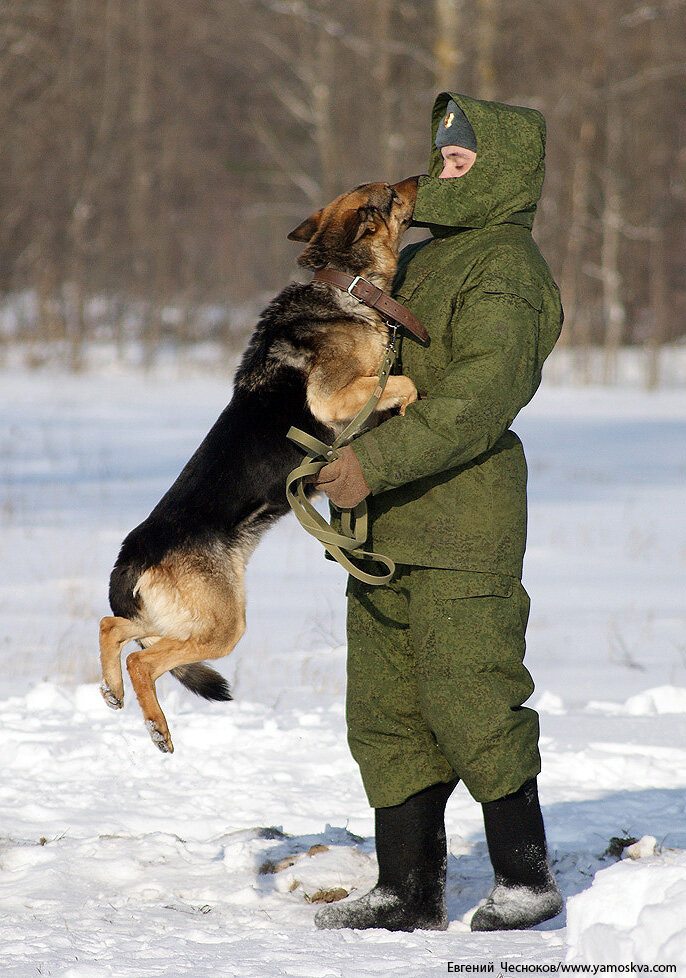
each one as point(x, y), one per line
point(409, 398)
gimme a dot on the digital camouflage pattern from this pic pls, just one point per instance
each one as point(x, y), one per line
point(448, 479)
point(436, 681)
point(436, 684)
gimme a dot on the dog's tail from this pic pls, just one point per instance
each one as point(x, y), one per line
point(203, 681)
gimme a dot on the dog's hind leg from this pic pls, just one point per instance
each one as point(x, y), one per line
point(146, 666)
point(114, 634)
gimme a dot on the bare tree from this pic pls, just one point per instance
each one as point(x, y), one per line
point(448, 48)
point(614, 313)
point(486, 34)
point(156, 155)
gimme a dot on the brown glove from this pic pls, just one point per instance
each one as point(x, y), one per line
point(342, 480)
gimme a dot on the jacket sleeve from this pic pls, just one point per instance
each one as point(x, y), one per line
point(493, 373)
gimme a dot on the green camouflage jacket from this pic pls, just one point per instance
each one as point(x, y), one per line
point(448, 479)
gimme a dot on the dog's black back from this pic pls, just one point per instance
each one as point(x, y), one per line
point(237, 475)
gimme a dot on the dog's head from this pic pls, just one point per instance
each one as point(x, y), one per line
point(359, 232)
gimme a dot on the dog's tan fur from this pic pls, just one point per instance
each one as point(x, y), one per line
point(191, 606)
point(346, 375)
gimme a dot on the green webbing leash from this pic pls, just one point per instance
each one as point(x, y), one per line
point(354, 522)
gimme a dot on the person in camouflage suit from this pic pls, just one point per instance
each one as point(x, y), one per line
point(436, 681)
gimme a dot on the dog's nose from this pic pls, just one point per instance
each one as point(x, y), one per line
point(407, 189)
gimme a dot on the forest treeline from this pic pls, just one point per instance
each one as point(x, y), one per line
point(155, 153)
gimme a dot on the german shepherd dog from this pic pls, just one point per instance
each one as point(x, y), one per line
point(177, 587)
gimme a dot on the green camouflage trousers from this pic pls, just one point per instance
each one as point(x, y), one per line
point(436, 684)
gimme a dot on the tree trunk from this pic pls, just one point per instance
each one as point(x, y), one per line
point(387, 137)
point(73, 292)
point(657, 258)
point(448, 56)
point(576, 236)
point(658, 304)
point(614, 313)
point(486, 33)
point(140, 214)
point(322, 112)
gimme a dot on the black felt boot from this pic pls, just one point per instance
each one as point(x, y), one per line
point(412, 853)
point(525, 892)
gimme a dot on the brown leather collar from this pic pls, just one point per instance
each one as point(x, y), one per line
point(372, 296)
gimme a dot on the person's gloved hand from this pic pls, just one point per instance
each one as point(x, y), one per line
point(342, 480)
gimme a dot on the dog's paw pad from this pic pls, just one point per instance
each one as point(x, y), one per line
point(113, 701)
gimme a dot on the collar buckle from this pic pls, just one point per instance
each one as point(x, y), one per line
point(349, 290)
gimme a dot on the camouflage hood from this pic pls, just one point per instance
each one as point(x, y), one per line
point(505, 182)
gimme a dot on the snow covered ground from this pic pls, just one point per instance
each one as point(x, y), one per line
point(117, 860)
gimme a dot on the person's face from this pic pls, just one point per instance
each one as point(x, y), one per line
point(456, 161)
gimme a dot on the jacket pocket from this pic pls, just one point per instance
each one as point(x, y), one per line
point(502, 285)
point(451, 585)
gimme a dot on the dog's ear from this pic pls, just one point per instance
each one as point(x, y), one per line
point(356, 224)
point(307, 230)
